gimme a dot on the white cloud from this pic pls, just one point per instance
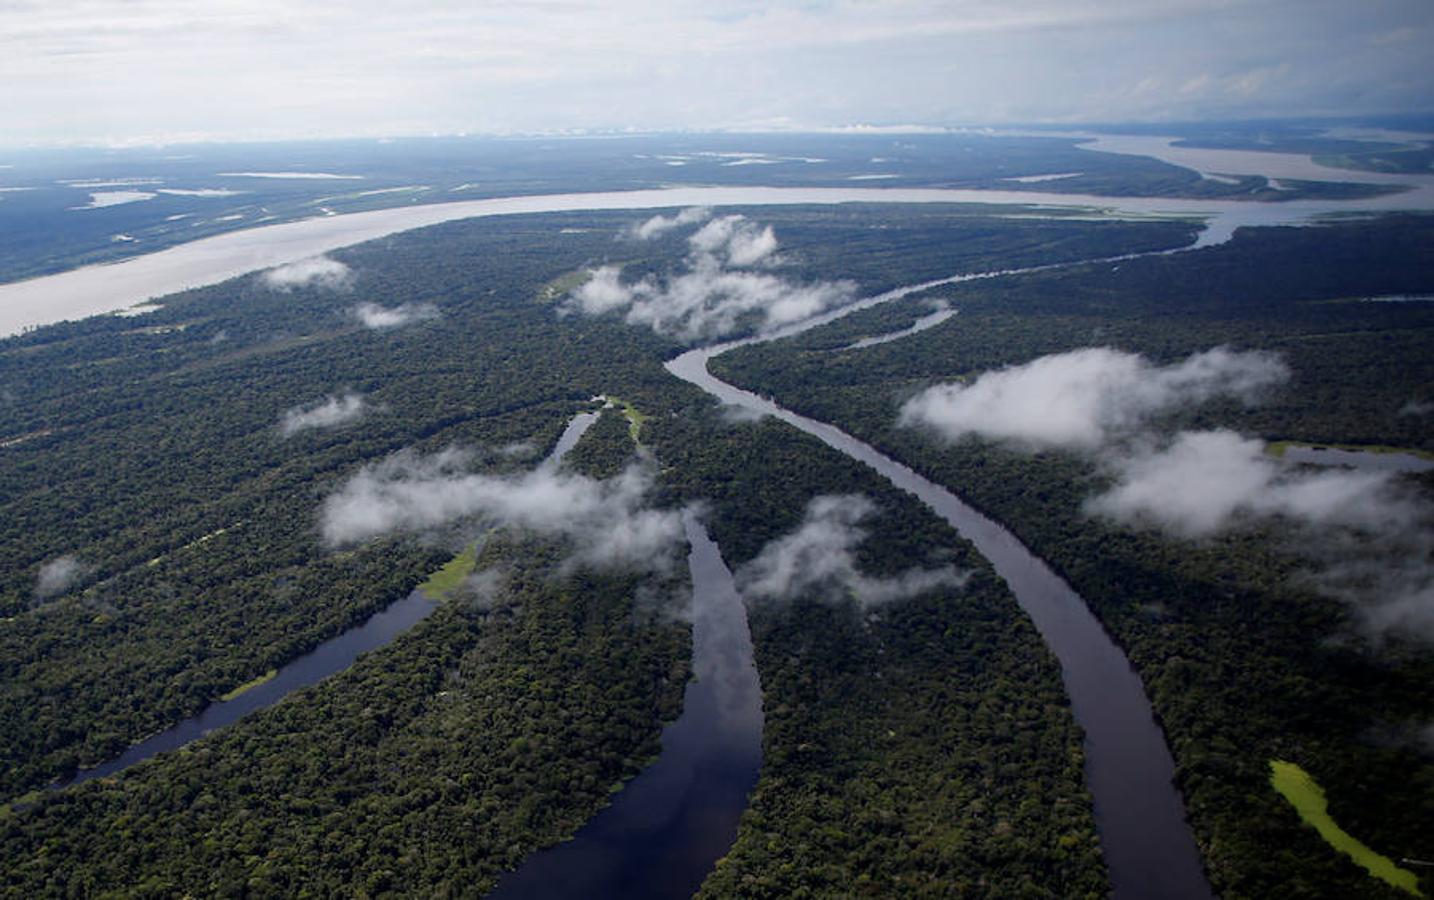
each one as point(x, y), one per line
point(1088, 397)
point(659, 224)
point(610, 523)
point(1392, 590)
point(818, 557)
point(1365, 537)
point(316, 271)
point(381, 318)
point(442, 67)
point(58, 575)
point(743, 243)
point(603, 291)
point(329, 413)
point(708, 299)
point(1207, 481)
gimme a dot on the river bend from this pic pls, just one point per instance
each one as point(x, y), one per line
point(1149, 849)
point(668, 827)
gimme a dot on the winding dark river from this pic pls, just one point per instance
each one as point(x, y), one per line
point(669, 825)
point(1148, 846)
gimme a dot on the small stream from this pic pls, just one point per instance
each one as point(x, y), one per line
point(329, 658)
point(667, 828)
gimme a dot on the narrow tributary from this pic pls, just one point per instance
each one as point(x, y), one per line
point(329, 658)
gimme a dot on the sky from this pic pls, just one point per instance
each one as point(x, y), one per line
point(165, 71)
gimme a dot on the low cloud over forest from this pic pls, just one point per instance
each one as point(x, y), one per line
point(316, 271)
point(1365, 536)
point(611, 523)
point(727, 279)
point(1087, 398)
point(329, 413)
point(58, 576)
point(382, 318)
point(819, 557)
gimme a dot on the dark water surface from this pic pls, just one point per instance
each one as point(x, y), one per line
point(667, 828)
point(329, 658)
point(1148, 846)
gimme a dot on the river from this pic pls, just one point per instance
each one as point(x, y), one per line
point(1148, 846)
point(1374, 461)
point(329, 658)
point(91, 290)
point(667, 828)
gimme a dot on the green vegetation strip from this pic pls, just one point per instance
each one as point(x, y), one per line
point(1306, 796)
point(563, 285)
point(249, 685)
point(635, 418)
point(1277, 448)
point(447, 579)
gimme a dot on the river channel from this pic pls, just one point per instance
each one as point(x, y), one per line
point(329, 658)
point(669, 825)
point(91, 290)
point(1149, 849)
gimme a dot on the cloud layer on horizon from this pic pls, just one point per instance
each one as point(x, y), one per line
point(684, 65)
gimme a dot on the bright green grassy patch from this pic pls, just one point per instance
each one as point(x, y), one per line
point(1277, 448)
point(447, 579)
point(1306, 796)
point(249, 685)
point(635, 418)
point(563, 285)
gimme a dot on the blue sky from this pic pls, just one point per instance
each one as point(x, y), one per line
point(127, 71)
